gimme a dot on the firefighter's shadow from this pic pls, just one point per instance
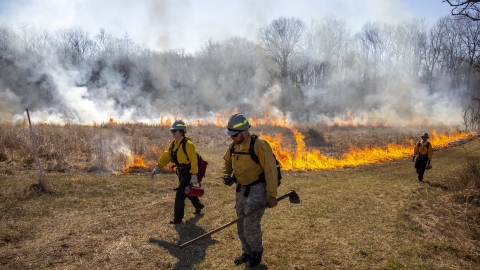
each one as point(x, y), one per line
point(192, 254)
point(436, 185)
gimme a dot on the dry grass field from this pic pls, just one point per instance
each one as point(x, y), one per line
point(95, 217)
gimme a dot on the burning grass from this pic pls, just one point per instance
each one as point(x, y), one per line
point(126, 148)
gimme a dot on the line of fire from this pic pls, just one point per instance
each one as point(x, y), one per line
point(301, 158)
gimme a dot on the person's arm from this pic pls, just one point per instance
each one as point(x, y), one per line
point(227, 169)
point(165, 158)
point(267, 162)
point(192, 156)
point(415, 149)
point(430, 152)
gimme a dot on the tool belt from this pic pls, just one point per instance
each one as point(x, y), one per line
point(183, 166)
point(422, 157)
point(247, 189)
point(178, 167)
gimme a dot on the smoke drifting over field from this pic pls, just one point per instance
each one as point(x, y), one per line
point(115, 78)
point(61, 100)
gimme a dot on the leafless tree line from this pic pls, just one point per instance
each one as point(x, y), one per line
point(467, 8)
point(340, 67)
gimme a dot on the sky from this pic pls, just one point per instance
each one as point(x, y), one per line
point(175, 24)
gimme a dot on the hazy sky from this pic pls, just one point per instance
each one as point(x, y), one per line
point(188, 24)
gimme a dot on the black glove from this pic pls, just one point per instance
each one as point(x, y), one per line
point(227, 180)
point(413, 159)
point(428, 162)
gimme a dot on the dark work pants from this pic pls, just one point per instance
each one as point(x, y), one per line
point(249, 230)
point(420, 165)
point(184, 178)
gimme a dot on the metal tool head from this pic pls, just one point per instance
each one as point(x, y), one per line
point(293, 197)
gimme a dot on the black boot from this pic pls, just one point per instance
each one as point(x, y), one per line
point(242, 259)
point(256, 258)
point(176, 221)
point(198, 210)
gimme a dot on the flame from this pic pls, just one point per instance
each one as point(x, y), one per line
point(302, 159)
point(221, 119)
point(134, 162)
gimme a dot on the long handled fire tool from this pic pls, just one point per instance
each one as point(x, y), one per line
point(292, 196)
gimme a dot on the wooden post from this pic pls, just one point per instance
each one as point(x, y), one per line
point(42, 180)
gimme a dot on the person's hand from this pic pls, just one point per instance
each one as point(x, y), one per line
point(227, 180)
point(194, 179)
point(155, 171)
point(413, 159)
point(271, 201)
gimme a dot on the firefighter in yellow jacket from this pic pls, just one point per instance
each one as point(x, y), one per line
point(423, 154)
point(256, 185)
point(187, 168)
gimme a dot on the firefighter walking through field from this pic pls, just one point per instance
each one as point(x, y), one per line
point(256, 185)
point(422, 155)
point(187, 168)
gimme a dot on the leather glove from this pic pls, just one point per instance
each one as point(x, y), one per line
point(227, 180)
point(155, 171)
point(413, 159)
point(272, 201)
point(194, 179)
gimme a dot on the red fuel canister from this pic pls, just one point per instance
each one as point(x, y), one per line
point(192, 190)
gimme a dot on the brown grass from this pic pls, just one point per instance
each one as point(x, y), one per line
point(370, 217)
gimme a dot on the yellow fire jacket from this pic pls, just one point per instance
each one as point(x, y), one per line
point(423, 150)
point(192, 159)
point(246, 171)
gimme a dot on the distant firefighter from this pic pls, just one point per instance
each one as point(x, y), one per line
point(422, 155)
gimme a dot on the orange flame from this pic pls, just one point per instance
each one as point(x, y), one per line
point(134, 163)
point(302, 159)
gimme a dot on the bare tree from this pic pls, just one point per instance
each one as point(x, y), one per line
point(104, 43)
point(412, 35)
point(325, 47)
point(281, 40)
point(7, 46)
point(470, 40)
point(74, 44)
point(372, 48)
point(467, 8)
point(436, 35)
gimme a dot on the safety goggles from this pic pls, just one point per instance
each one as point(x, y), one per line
point(174, 130)
point(235, 135)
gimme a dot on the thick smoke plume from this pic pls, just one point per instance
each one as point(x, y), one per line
point(383, 74)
